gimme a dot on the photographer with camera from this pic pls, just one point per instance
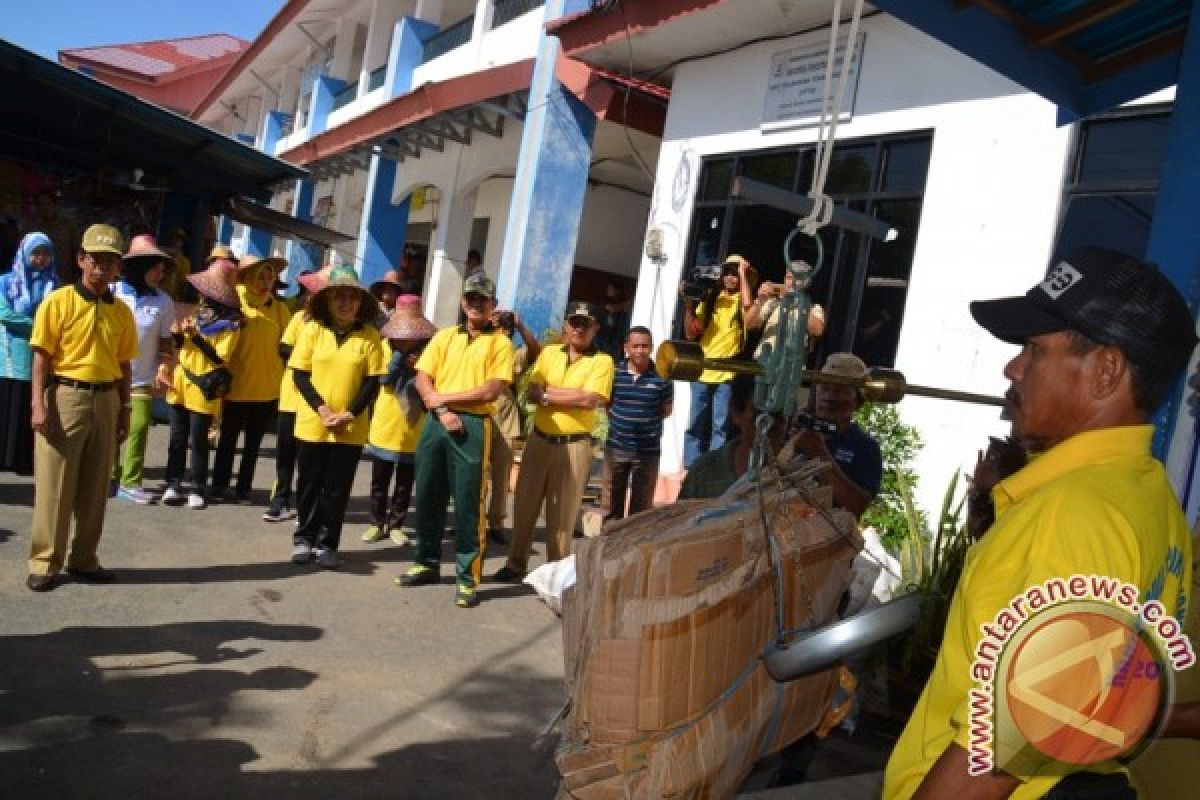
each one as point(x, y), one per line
point(506, 421)
point(857, 464)
point(716, 309)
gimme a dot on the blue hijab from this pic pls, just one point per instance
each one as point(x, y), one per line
point(27, 287)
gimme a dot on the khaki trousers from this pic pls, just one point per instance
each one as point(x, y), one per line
point(71, 477)
point(556, 474)
point(500, 470)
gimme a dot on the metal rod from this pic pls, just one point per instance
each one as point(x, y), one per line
point(801, 205)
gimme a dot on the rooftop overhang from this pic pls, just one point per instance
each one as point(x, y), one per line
point(281, 224)
point(52, 114)
point(459, 108)
point(1083, 55)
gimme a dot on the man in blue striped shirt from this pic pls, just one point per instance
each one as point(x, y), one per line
point(641, 400)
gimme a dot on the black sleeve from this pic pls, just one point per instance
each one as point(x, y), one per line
point(366, 395)
point(303, 381)
point(285, 351)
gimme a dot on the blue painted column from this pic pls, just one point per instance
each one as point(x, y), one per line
point(258, 242)
point(408, 45)
point(225, 230)
point(301, 255)
point(384, 226)
point(1175, 247)
point(548, 193)
point(325, 88)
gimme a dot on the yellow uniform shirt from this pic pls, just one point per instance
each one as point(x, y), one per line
point(338, 370)
point(185, 393)
point(390, 428)
point(86, 337)
point(256, 365)
point(289, 398)
point(724, 335)
point(456, 363)
point(1096, 504)
point(592, 372)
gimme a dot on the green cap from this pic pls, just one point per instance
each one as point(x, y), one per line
point(479, 283)
point(344, 276)
point(103, 239)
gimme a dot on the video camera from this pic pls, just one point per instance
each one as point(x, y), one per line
point(807, 420)
point(700, 280)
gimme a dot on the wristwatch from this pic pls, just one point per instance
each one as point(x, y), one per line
point(545, 398)
point(442, 409)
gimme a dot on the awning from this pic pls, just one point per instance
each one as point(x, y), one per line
point(280, 224)
point(52, 114)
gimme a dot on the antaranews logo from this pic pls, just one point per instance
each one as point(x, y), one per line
point(1075, 671)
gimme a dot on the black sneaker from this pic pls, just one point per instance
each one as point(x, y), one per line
point(496, 536)
point(507, 574)
point(279, 510)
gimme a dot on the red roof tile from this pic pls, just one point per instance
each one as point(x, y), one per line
point(161, 59)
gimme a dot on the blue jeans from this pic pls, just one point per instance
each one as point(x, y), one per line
point(706, 429)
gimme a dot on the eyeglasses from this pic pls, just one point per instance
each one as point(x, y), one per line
point(579, 322)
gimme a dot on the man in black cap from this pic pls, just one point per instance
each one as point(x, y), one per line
point(568, 382)
point(1103, 339)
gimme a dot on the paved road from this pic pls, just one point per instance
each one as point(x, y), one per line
point(217, 669)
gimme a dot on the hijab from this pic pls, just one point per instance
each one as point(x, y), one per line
point(27, 287)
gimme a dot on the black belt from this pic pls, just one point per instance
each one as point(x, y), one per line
point(87, 387)
point(563, 439)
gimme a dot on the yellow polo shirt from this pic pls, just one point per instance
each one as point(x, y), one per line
point(592, 372)
point(289, 398)
point(185, 393)
point(1096, 504)
point(256, 365)
point(338, 371)
point(456, 363)
point(390, 428)
point(724, 335)
point(86, 337)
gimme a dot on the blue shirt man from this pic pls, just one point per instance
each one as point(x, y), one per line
point(641, 400)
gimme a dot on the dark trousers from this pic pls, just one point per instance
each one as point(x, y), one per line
point(189, 426)
point(453, 465)
point(236, 418)
point(632, 473)
point(285, 455)
point(323, 490)
point(384, 514)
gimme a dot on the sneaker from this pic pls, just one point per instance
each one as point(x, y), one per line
point(196, 502)
point(398, 536)
point(220, 496)
point(373, 534)
point(327, 559)
point(507, 574)
point(135, 494)
point(418, 575)
point(496, 536)
point(465, 597)
point(279, 510)
point(174, 496)
point(302, 553)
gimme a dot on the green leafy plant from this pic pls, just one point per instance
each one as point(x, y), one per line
point(899, 444)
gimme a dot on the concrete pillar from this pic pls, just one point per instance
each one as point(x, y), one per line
point(325, 88)
point(225, 230)
point(384, 226)
point(447, 257)
point(300, 255)
point(429, 11)
point(547, 198)
point(384, 16)
point(258, 241)
point(482, 23)
point(1175, 247)
point(343, 49)
point(408, 45)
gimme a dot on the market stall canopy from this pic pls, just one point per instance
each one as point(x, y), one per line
point(280, 224)
point(49, 113)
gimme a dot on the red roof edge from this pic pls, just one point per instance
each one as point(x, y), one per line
point(588, 29)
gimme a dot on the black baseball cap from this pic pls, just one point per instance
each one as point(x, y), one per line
point(1108, 296)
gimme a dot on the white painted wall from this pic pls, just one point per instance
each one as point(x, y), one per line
point(509, 43)
point(610, 230)
point(991, 205)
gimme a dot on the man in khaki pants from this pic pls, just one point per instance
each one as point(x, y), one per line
point(568, 382)
point(83, 342)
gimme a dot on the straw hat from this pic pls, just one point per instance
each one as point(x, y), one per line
point(214, 283)
point(220, 251)
point(247, 263)
point(390, 279)
point(342, 278)
point(144, 246)
point(406, 323)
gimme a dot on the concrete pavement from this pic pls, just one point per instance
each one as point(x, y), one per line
point(216, 668)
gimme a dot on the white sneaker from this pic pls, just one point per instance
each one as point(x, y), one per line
point(196, 502)
point(173, 496)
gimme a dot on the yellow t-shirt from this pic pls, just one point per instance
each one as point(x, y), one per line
point(390, 428)
point(457, 363)
point(185, 393)
point(337, 373)
point(86, 337)
point(1096, 504)
point(592, 372)
point(256, 365)
point(724, 335)
point(289, 398)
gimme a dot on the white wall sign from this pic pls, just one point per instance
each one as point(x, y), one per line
point(796, 85)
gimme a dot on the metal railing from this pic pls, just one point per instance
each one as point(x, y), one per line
point(508, 10)
point(456, 35)
point(346, 96)
point(376, 78)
